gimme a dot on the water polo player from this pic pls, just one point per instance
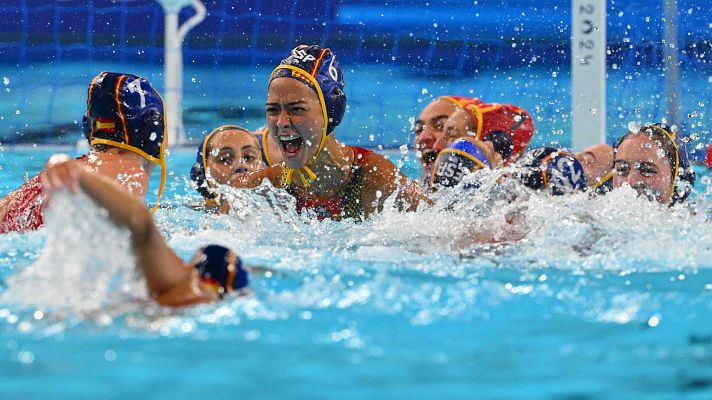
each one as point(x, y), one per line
point(125, 126)
point(305, 103)
point(214, 272)
point(654, 162)
point(224, 153)
point(509, 128)
point(429, 130)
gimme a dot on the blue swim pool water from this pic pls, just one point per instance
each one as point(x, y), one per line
point(603, 298)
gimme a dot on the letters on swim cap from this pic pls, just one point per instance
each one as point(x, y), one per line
point(460, 158)
point(321, 65)
point(552, 169)
point(125, 111)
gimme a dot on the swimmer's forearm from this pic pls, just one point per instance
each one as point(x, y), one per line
point(411, 195)
point(161, 267)
point(124, 209)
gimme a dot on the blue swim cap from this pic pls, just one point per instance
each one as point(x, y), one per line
point(458, 159)
point(217, 268)
point(125, 111)
point(554, 169)
point(321, 65)
point(200, 166)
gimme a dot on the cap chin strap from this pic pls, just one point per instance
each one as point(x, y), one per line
point(305, 174)
point(602, 181)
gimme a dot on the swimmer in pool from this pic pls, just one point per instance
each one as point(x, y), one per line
point(213, 273)
point(509, 128)
point(125, 126)
point(429, 129)
point(224, 153)
point(305, 103)
point(654, 162)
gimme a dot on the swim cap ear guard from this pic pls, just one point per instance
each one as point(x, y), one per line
point(197, 172)
point(222, 269)
point(501, 141)
point(460, 158)
point(125, 111)
point(552, 169)
point(684, 176)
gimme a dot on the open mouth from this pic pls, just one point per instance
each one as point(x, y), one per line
point(428, 156)
point(290, 145)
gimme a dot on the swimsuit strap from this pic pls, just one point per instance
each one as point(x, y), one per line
point(352, 205)
point(349, 205)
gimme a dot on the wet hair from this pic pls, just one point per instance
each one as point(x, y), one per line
point(683, 176)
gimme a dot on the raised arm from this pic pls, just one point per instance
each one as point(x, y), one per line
point(382, 180)
point(170, 281)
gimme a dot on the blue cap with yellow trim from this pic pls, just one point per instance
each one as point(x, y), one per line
point(458, 159)
point(322, 65)
point(221, 268)
point(319, 69)
point(125, 111)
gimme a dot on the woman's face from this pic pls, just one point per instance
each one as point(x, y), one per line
point(641, 163)
point(295, 120)
point(232, 152)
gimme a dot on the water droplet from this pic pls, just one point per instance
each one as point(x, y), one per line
point(424, 91)
point(110, 355)
point(403, 149)
point(25, 357)
point(17, 112)
point(654, 321)
point(153, 136)
point(371, 137)
point(5, 80)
